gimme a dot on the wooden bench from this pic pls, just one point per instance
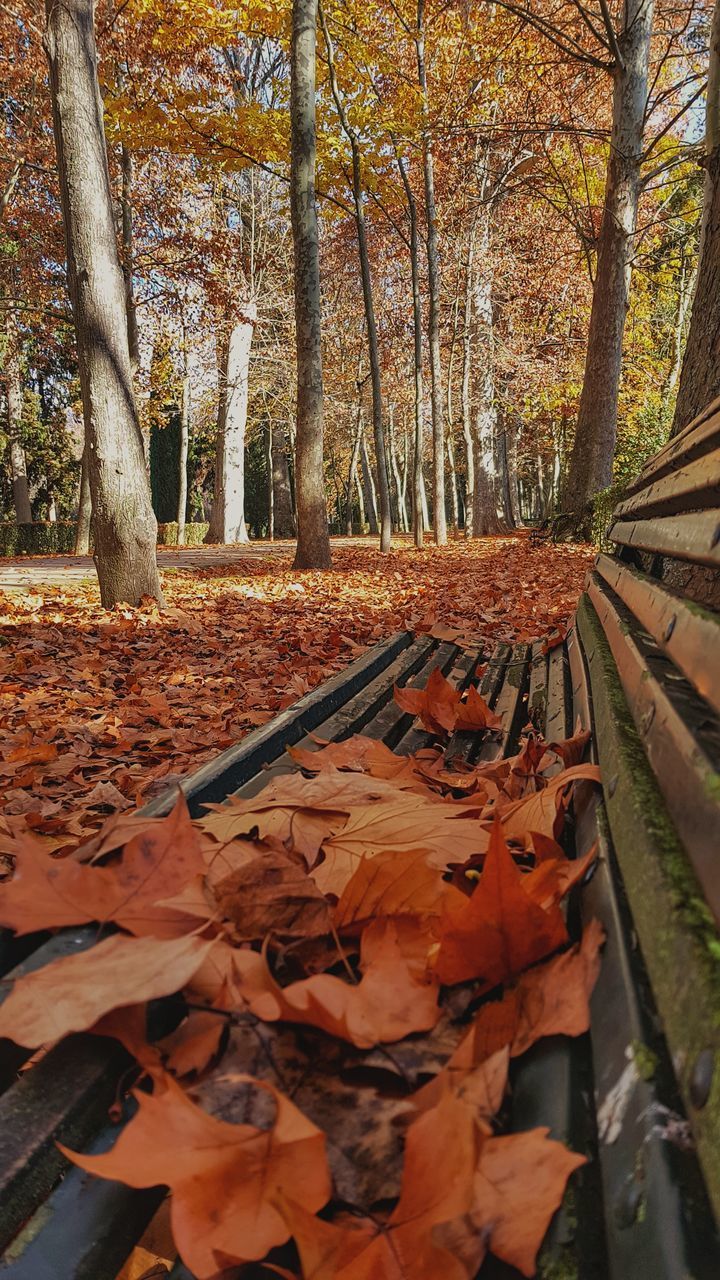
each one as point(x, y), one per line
point(641, 1093)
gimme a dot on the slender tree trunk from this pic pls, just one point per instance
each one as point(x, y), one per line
point(511, 446)
point(404, 478)
point(485, 489)
point(124, 526)
point(433, 263)
point(14, 398)
point(360, 501)
point(419, 500)
point(184, 450)
point(453, 485)
point(367, 288)
point(84, 516)
point(700, 374)
point(313, 546)
point(270, 480)
point(368, 485)
point(128, 174)
point(227, 523)
point(465, 385)
point(401, 509)
point(592, 455)
point(284, 520)
point(427, 522)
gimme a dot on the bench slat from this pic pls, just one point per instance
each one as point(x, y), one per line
point(697, 484)
point(216, 779)
point(693, 536)
point(89, 1223)
point(702, 439)
point(679, 943)
point(689, 634)
point(672, 722)
point(655, 1206)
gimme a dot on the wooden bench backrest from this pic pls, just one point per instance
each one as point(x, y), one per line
point(649, 627)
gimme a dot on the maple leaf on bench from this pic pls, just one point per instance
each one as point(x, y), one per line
point(441, 709)
point(223, 1177)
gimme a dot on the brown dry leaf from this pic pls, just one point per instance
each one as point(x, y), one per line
point(543, 812)
point(50, 892)
point(399, 825)
point(392, 884)
point(394, 998)
point(500, 930)
point(223, 1177)
point(273, 894)
point(441, 1156)
point(73, 993)
point(520, 1182)
point(194, 1044)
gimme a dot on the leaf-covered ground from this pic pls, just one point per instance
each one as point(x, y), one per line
point(101, 710)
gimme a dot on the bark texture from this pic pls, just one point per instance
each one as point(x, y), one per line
point(700, 374)
point(227, 522)
point(12, 376)
point(313, 545)
point(124, 526)
point(283, 518)
point(592, 455)
point(84, 515)
point(184, 451)
point(485, 518)
point(433, 265)
point(419, 501)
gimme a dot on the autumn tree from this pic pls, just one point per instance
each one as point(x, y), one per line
point(124, 525)
point(313, 546)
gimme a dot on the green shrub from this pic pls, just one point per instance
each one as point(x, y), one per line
point(194, 534)
point(603, 505)
point(39, 539)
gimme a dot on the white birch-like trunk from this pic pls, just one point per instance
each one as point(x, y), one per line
point(227, 523)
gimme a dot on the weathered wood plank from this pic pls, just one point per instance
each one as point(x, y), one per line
point(219, 777)
point(696, 484)
point(687, 633)
point(676, 728)
point(693, 536)
point(656, 1215)
point(696, 443)
point(538, 693)
point(511, 705)
point(679, 941)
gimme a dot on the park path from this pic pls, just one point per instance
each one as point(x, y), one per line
point(22, 572)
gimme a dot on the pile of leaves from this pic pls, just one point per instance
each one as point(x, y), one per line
point(362, 947)
point(101, 710)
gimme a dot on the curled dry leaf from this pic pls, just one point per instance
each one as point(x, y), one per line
point(500, 930)
point(47, 892)
point(223, 1177)
point(440, 707)
point(73, 993)
point(394, 997)
point(272, 894)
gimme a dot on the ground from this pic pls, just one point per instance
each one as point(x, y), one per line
point(100, 710)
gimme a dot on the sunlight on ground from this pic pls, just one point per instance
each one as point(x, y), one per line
point(101, 710)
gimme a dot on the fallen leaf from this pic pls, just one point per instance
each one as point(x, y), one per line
point(73, 993)
point(223, 1177)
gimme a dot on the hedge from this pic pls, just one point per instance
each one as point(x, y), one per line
point(48, 538)
point(38, 539)
point(194, 534)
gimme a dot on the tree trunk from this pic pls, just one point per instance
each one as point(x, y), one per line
point(14, 400)
point(453, 485)
point(313, 545)
point(465, 386)
point(128, 173)
point(400, 493)
point(268, 434)
point(424, 502)
point(433, 263)
point(184, 450)
point(700, 374)
point(511, 443)
point(284, 521)
point(366, 278)
point(84, 515)
point(485, 489)
point(591, 461)
point(227, 522)
point(419, 500)
point(124, 526)
point(368, 485)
